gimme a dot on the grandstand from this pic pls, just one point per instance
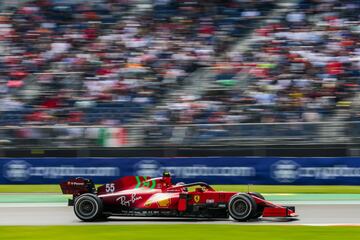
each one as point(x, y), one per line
point(177, 72)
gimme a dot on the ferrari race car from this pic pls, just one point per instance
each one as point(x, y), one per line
point(145, 196)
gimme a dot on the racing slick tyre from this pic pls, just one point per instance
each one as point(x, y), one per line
point(242, 207)
point(88, 207)
point(260, 209)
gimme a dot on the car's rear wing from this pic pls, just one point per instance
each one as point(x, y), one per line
point(78, 186)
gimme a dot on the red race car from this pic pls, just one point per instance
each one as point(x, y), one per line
point(145, 196)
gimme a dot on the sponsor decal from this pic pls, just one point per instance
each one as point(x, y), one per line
point(153, 168)
point(288, 171)
point(206, 171)
point(127, 201)
point(149, 168)
point(196, 198)
point(164, 202)
point(344, 171)
point(285, 171)
point(19, 171)
point(75, 183)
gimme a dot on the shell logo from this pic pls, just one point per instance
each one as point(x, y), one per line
point(164, 202)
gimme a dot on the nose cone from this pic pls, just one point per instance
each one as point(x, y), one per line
point(292, 213)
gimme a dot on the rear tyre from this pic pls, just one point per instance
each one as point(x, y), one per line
point(88, 207)
point(260, 209)
point(242, 207)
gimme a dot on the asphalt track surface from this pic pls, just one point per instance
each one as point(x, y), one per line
point(309, 214)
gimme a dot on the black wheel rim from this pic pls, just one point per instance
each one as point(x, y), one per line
point(86, 208)
point(240, 208)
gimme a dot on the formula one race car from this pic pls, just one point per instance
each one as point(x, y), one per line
point(145, 196)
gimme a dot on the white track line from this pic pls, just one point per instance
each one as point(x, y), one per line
point(330, 224)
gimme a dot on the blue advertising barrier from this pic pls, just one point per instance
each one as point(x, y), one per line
point(214, 170)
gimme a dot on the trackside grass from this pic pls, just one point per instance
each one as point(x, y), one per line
point(179, 232)
point(237, 188)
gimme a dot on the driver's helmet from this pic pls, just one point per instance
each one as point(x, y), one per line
point(167, 177)
point(166, 174)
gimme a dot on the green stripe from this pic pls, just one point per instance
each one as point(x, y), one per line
point(138, 181)
point(144, 177)
point(153, 184)
point(102, 137)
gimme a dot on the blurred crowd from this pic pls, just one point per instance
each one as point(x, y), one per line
point(105, 61)
point(300, 67)
point(116, 62)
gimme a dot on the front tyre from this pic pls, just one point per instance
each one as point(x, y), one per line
point(88, 207)
point(259, 209)
point(242, 207)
